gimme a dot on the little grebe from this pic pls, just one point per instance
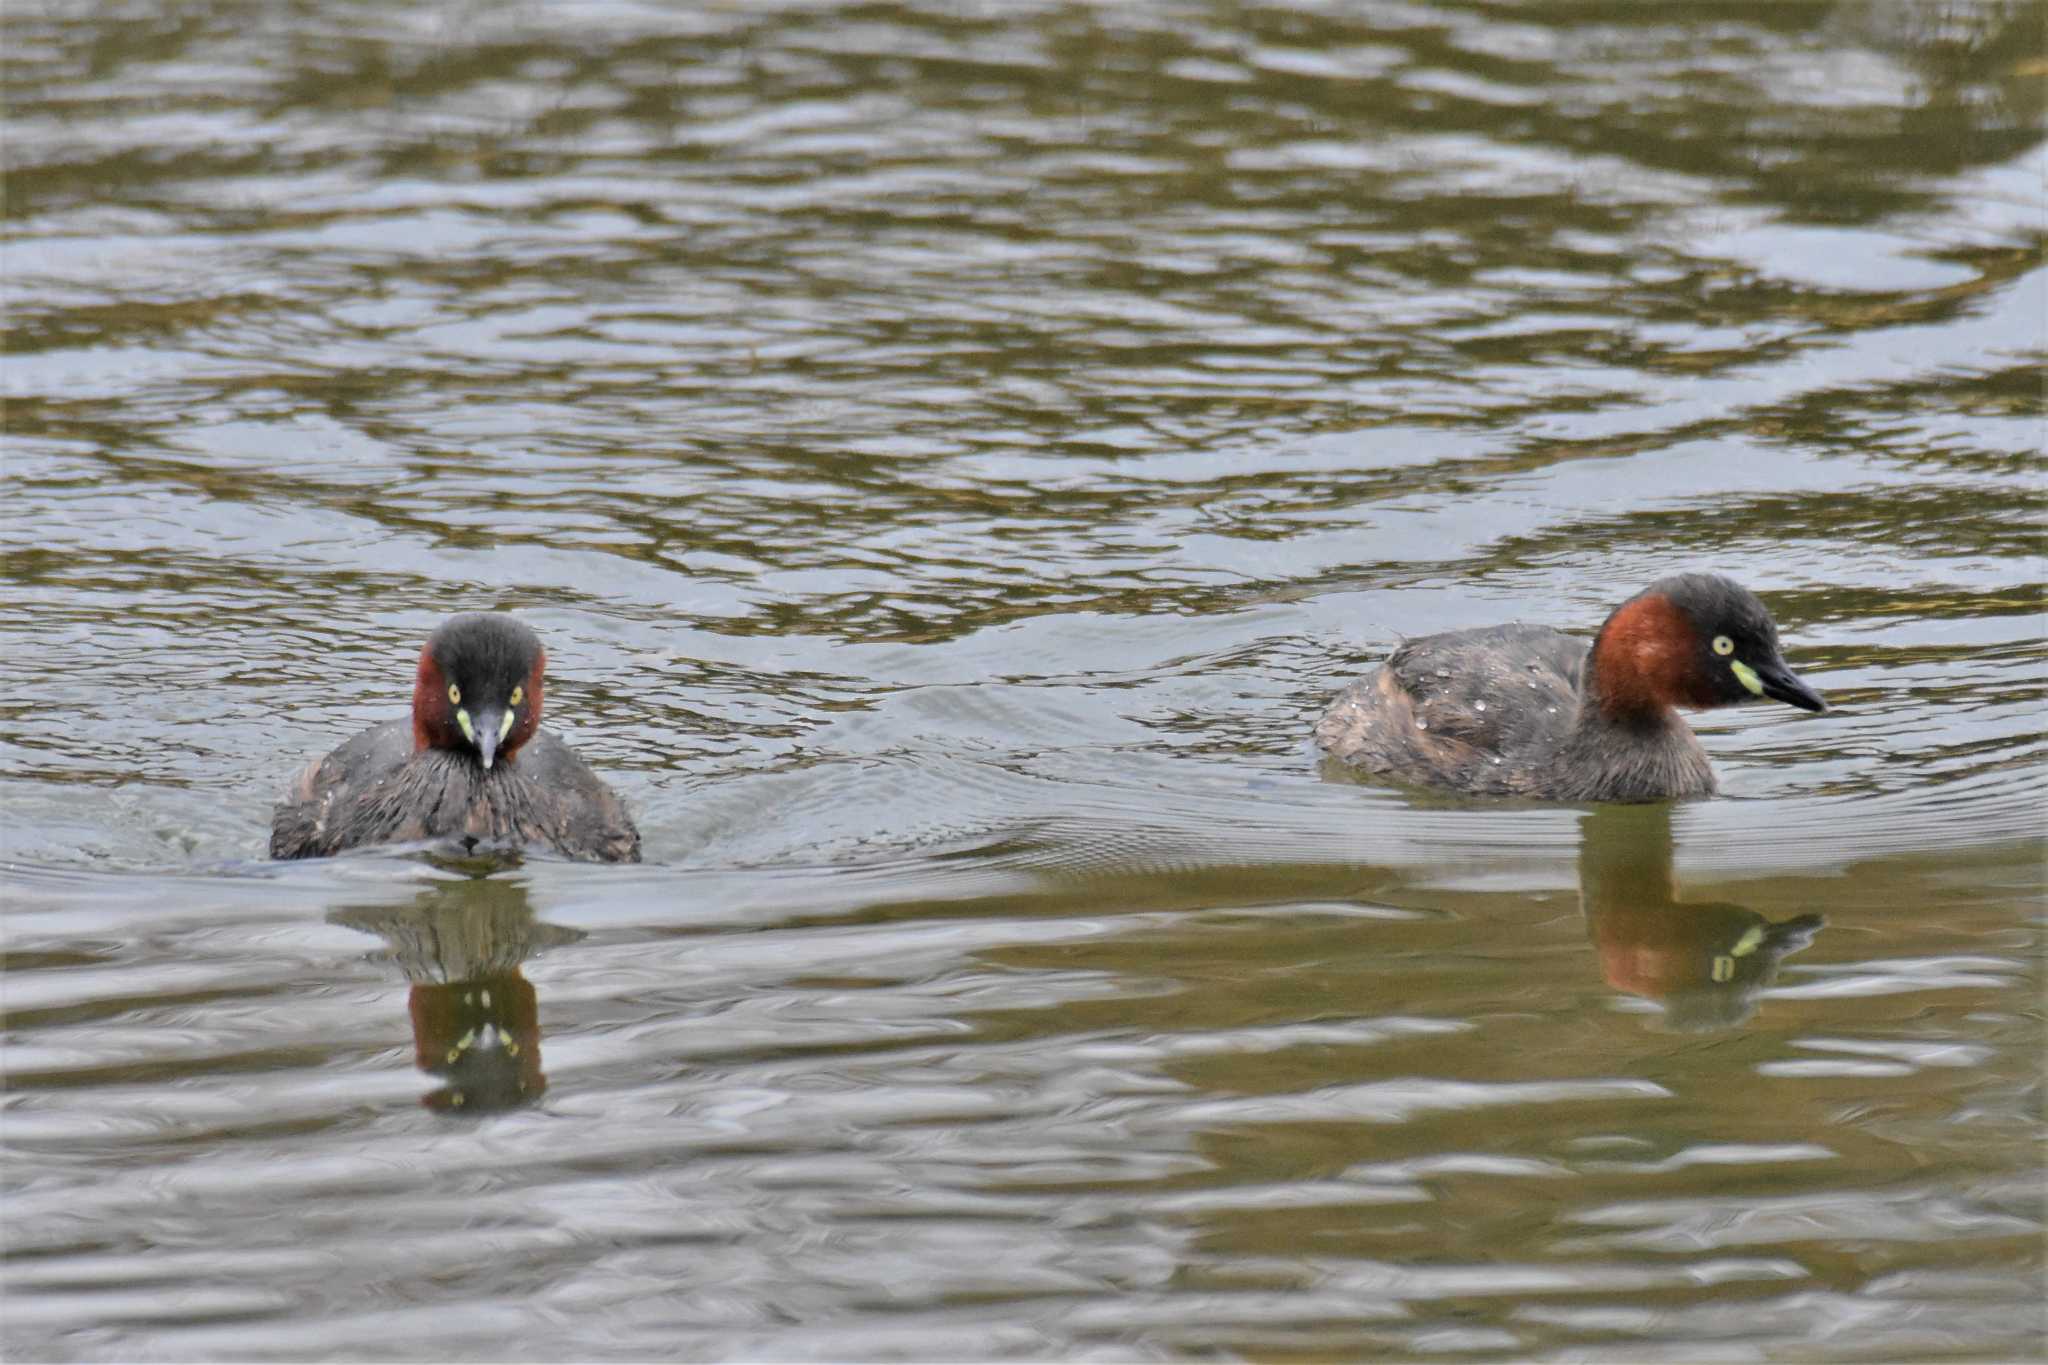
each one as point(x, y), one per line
point(470, 765)
point(1528, 711)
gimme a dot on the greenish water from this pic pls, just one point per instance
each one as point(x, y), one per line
point(951, 453)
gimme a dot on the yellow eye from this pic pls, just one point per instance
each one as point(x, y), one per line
point(454, 694)
point(1723, 645)
point(518, 695)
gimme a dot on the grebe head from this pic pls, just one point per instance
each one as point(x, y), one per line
point(478, 689)
point(1697, 640)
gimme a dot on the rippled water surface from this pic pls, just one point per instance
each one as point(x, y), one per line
point(951, 452)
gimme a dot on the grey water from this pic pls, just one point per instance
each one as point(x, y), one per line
point(951, 452)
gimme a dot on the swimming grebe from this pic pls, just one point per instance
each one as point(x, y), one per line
point(1528, 711)
point(471, 763)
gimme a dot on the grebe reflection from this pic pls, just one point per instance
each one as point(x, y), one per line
point(1703, 963)
point(475, 1017)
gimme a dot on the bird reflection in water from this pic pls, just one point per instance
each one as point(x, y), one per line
point(1703, 963)
point(475, 1019)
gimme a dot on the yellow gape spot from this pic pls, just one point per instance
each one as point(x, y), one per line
point(1746, 675)
point(505, 725)
point(468, 730)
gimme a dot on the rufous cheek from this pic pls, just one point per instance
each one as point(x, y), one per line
point(529, 714)
point(433, 716)
point(429, 700)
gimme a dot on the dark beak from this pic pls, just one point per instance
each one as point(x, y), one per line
point(492, 719)
point(1782, 684)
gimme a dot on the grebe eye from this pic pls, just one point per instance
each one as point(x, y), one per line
point(1723, 645)
point(518, 695)
point(454, 694)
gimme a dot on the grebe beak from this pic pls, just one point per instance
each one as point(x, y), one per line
point(1782, 684)
point(491, 725)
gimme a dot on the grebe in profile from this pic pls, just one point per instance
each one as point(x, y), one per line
point(471, 764)
point(1528, 711)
